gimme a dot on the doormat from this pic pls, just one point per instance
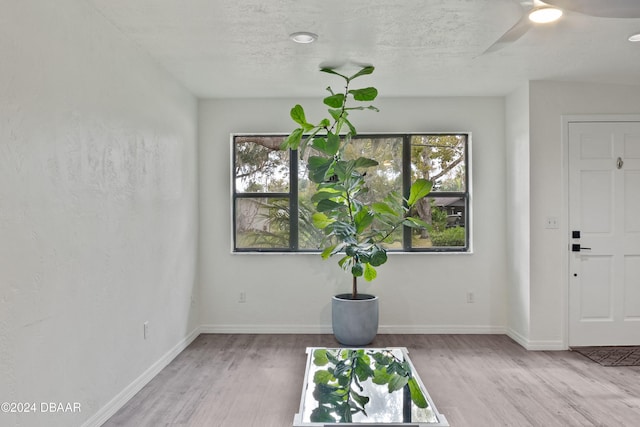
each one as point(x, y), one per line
point(612, 356)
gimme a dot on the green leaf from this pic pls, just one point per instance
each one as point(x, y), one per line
point(383, 208)
point(397, 382)
point(359, 399)
point(327, 252)
point(362, 369)
point(343, 168)
point(364, 257)
point(309, 137)
point(293, 140)
point(378, 257)
point(323, 377)
point(346, 414)
point(381, 376)
point(363, 162)
point(352, 128)
point(318, 168)
point(321, 221)
point(331, 71)
point(325, 393)
point(328, 145)
point(382, 359)
point(365, 94)
point(317, 162)
point(344, 231)
point(334, 101)
point(320, 357)
point(333, 144)
point(332, 358)
point(418, 190)
point(416, 394)
point(298, 116)
point(344, 260)
point(341, 368)
point(365, 70)
point(360, 108)
point(357, 270)
point(335, 114)
point(328, 205)
point(321, 414)
point(325, 193)
point(415, 223)
point(319, 143)
point(369, 272)
point(362, 220)
point(396, 367)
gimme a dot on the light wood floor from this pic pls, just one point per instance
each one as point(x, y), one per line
point(474, 380)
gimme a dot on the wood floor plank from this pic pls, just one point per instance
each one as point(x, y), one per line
point(475, 380)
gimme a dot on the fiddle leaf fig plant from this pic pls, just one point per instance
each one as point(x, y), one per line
point(354, 228)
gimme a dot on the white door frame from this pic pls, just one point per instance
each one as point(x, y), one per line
point(564, 224)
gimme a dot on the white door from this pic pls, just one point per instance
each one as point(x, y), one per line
point(604, 207)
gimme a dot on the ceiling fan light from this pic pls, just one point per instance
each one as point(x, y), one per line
point(303, 37)
point(634, 37)
point(545, 14)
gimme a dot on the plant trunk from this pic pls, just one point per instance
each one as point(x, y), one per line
point(423, 207)
point(354, 291)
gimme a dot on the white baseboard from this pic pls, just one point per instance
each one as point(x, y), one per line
point(536, 345)
point(326, 329)
point(440, 329)
point(265, 329)
point(125, 395)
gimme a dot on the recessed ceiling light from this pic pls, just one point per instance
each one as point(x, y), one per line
point(545, 14)
point(303, 37)
point(634, 37)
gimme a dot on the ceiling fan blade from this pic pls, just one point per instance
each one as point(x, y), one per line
point(512, 34)
point(600, 8)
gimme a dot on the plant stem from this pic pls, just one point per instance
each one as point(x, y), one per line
point(342, 109)
point(391, 231)
point(354, 292)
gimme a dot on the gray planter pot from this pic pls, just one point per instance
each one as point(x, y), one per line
point(355, 322)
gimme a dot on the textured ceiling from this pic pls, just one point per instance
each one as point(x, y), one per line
point(240, 48)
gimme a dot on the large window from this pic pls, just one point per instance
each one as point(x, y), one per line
point(272, 205)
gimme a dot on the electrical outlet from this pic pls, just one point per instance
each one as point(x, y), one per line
point(243, 297)
point(146, 329)
point(552, 222)
point(471, 298)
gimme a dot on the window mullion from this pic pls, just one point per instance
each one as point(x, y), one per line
point(293, 200)
point(406, 186)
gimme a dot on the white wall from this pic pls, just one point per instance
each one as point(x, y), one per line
point(291, 293)
point(549, 101)
point(517, 212)
point(98, 211)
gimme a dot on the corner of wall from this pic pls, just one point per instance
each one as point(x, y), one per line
point(517, 140)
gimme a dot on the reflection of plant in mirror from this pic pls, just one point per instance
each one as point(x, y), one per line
point(339, 387)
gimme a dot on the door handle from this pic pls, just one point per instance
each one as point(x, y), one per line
point(577, 248)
